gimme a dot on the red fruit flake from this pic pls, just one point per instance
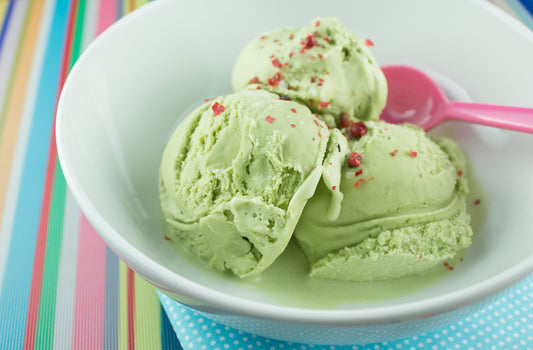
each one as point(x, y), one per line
point(357, 129)
point(291, 54)
point(420, 256)
point(317, 23)
point(276, 63)
point(322, 104)
point(345, 120)
point(413, 154)
point(309, 42)
point(361, 180)
point(393, 153)
point(319, 134)
point(263, 37)
point(217, 108)
point(358, 172)
point(270, 119)
point(316, 122)
point(313, 79)
point(291, 36)
point(477, 202)
point(275, 79)
point(334, 188)
point(420, 175)
point(293, 125)
point(207, 99)
point(460, 173)
point(311, 101)
point(293, 110)
point(313, 58)
point(369, 42)
point(355, 159)
point(167, 238)
point(326, 38)
point(320, 56)
point(448, 266)
point(254, 80)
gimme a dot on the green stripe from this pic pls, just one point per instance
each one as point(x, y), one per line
point(44, 337)
point(147, 317)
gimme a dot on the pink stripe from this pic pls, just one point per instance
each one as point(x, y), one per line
point(90, 290)
point(107, 15)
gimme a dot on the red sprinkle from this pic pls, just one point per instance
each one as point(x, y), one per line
point(320, 56)
point(412, 154)
point(322, 105)
point(254, 80)
point(275, 79)
point(293, 110)
point(448, 266)
point(345, 120)
point(293, 125)
point(361, 180)
point(317, 23)
point(270, 119)
point(477, 202)
point(309, 42)
point(291, 54)
point(460, 173)
point(355, 159)
point(334, 188)
point(263, 37)
point(358, 172)
point(207, 99)
point(420, 256)
point(276, 63)
point(326, 38)
point(369, 42)
point(319, 134)
point(393, 153)
point(217, 108)
point(357, 129)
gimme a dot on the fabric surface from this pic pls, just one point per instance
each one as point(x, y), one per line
point(60, 286)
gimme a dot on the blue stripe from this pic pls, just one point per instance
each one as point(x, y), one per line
point(528, 5)
point(15, 290)
point(7, 17)
point(169, 339)
point(112, 296)
point(521, 12)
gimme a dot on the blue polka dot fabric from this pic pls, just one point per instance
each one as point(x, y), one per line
point(506, 323)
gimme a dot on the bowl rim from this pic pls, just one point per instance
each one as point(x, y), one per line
point(223, 302)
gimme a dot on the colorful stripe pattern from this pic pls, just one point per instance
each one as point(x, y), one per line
point(60, 286)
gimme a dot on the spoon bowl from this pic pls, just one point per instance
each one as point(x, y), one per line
point(415, 98)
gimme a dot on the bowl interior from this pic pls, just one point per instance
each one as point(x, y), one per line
point(126, 93)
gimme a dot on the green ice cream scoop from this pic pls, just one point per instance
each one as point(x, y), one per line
point(323, 65)
point(236, 174)
point(402, 207)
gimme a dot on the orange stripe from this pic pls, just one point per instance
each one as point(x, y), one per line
point(15, 100)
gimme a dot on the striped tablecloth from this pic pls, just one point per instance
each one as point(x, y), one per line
point(60, 286)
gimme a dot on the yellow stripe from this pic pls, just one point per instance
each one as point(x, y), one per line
point(14, 103)
point(147, 316)
point(139, 3)
point(3, 9)
point(123, 307)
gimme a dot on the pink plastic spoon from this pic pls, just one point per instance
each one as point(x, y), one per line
point(415, 98)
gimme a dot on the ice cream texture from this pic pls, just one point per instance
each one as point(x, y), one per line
point(236, 174)
point(403, 207)
point(322, 65)
point(364, 200)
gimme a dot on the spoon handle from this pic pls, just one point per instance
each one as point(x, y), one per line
point(511, 118)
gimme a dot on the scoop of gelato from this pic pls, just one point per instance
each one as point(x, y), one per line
point(322, 65)
point(401, 207)
point(236, 174)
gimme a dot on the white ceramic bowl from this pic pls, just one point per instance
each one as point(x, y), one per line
point(124, 94)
